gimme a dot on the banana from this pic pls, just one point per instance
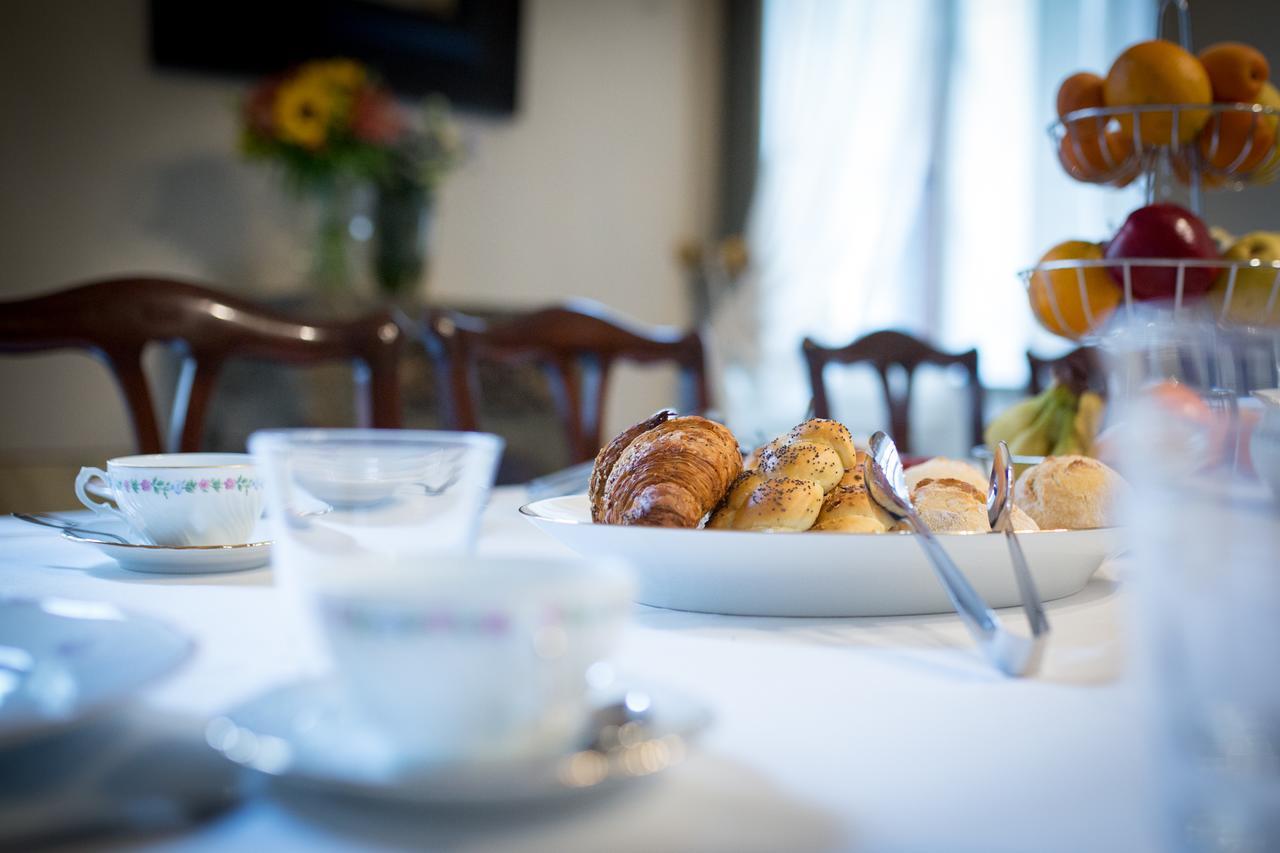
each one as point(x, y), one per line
point(1037, 438)
point(1088, 420)
point(1013, 420)
point(1068, 442)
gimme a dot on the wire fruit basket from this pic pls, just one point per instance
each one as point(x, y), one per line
point(1235, 146)
point(1068, 299)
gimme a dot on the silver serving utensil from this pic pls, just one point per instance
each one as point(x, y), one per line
point(887, 485)
point(1000, 515)
point(566, 481)
point(66, 526)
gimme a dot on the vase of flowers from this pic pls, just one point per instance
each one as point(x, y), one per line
point(405, 199)
point(336, 133)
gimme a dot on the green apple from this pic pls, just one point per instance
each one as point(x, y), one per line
point(1253, 286)
point(1269, 97)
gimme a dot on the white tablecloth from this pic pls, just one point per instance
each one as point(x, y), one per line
point(830, 734)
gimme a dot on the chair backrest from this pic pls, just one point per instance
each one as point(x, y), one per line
point(115, 319)
point(883, 350)
point(1082, 367)
point(576, 344)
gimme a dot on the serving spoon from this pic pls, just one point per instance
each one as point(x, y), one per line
point(1000, 515)
point(66, 526)
point(1012, 655)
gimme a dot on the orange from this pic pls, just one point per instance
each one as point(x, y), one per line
point(1182, 170)
point(1081, 154)
point(1062, 288)
point(1159, 72)
point(1236, 71)
point(1081, 91)
point(1237, 142)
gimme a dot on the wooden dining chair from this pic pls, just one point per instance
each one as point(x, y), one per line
point(883, 351)
point(576, 344)
point(115, 319)
point(1081, 367)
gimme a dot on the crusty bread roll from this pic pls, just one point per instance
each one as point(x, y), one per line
point(949, 506)
point(1069, 492)
point(942, 468)
point(756, 502)
point(664, 472)
point(1022, 522)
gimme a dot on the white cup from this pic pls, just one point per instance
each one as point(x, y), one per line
point(180, 499)
point(474, 658)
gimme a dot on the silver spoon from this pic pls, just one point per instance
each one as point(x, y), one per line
point(66, 526)
point(888, 487)
point(1000, 515)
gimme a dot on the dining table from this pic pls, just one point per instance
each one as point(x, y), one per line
point(864, 734)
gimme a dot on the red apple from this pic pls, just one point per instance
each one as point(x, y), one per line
point(1163, 231)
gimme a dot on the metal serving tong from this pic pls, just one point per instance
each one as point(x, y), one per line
point(1011, 654)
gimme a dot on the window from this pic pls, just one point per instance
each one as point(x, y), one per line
point(906, 176)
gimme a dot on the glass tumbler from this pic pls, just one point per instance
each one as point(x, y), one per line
point(1198, 446)
point(376, 504)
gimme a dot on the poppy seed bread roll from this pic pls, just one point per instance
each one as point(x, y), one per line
point(818, 449)
point(849, 508)
point(780, 504)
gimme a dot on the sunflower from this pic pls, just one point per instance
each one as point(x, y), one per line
point(304, 109)
point(345, 74)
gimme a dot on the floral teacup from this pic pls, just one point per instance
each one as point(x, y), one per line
point(181, 498)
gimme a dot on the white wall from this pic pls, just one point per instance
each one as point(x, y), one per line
point(110, 166)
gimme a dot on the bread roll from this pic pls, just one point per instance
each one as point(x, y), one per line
point(1069, 492)
point(942, 468)
point(1022, 523)
point(850, 509)
point(833, 434)
point(756, 502)
point(951, 506)
point(803, 460)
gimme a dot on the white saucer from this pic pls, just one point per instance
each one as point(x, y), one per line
point(176, 560)
point(308, 733)
point(62, 661)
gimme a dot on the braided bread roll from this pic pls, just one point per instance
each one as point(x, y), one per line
point(754, 502)
point(784, 489)
point(849, 508)
point(664, 472)
point(818, 449)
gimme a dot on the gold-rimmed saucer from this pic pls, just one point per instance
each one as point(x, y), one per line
point(180, 559)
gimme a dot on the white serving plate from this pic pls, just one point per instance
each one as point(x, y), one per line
point(61, 661)
point(819, 574)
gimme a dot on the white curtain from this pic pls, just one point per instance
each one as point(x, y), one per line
point(905, 177)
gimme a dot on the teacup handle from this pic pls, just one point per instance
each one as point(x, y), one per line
point(100, 507)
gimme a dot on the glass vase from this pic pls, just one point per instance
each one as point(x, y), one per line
point(341, 223)
point(402, 219)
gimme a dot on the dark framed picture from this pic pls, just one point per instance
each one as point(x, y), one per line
point(467, 50)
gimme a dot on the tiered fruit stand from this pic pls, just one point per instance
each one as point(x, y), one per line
point(1150, 148)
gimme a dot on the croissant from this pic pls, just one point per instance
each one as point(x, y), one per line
point(664, 472)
